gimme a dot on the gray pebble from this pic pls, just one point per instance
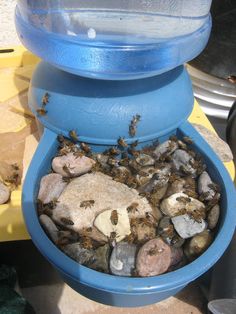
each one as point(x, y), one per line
point(49, 227)
point(101, 259)
point(4, 193)
point(79, 254)
point(204, 186)
point(213, 216)
point(145, 160)
point(166, 148)
point(187, 227)
point(122, 261)
point(183, 162)
point(51, 187)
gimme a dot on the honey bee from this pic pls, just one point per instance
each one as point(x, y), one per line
point(173, 138)
point(89, 229)
point(187, 140)
point(67, 169)
point(114, 217)
point(51, 205)
point(132, 130)
point(145, 221)
point(154, 251)
point(66, 221)
point(66, 179)
point(131, 238)
point(41, 112)
point(86, 242)
point(60, 138)
point(184, 200)
point(85, 148)
point(215, 187)
point(112, 238)
point(73, 135)
point(39, 206)
point(45, 99)
point(232, 79)
point(113, 151)
point(197, 214)
point(87, 203)
point(13, 180)
point(132, 208)
point(136, 119)
point(121, 142)
point(133, 152)
point(78, 154)
point(134, 144)
point(15, 167)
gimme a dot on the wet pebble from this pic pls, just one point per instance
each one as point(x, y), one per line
point(213, 216)
point(101, 259)
point(187, 227)
point(183, 162)
point(49, 227)
point(122, 261)
point(166, 148)
point(176, 203)
point(167, 232)
point(72, 166)
point(198, 244)
point(79, 254)
point(4, 193)
point(145, 160)
point(154, 258)
point(205, 186)
point(51, 187)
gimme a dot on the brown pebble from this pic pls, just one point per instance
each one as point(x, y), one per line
point(154, 258)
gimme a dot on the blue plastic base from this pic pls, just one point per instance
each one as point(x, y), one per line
point(112, 62)
point(123, 291)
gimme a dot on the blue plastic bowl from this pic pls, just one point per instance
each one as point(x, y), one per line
point(125, 291)
point(100, 111)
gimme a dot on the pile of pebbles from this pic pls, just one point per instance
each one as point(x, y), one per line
point(129, 211)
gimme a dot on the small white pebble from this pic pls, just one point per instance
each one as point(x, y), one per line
point(91, 33)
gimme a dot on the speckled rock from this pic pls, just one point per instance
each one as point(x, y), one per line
point(183, 161)
point(166, 148)
point(122, 261)
point(198, 244)
point(79, 254)
point(205, 186)
point(220, 147)
point(101, 259)
point(4, 193)
point(49, 227)
point(51, 187)
point(75, 166)
point(145, 160)
point(174, 204)
point(213, 216)
point(187, 227)
point(154, 258)
point(106, 194)
point(105, 224)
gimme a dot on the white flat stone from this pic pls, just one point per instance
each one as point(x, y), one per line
point(171, 206)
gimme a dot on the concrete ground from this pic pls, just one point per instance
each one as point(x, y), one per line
point(48, 294)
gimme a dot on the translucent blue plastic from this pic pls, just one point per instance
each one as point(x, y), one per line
point(115, 39)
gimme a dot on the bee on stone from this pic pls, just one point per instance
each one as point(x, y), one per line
point(113, 151)
point(86, 243)
point(112, 238)
point(67, 169)
point(87, 204)
point(15, 167)
point(232, 79)
point(145, 221)
point(173, 138)
point(215, 187)
point(154, 251)
point(133, 152)
point(132, 208)
point(132, 130)
point(197, 214)
point(114, 217)
point(136, 119)
point(45, 99)
point(134, 144)
point(131, 238)
point(187, 140)
point(73, 135)
point(66, 179)
point(51, 205)
point(85, 148)
point(41, 112)
point(184, 200)
point(121, 142)
point(66, 221)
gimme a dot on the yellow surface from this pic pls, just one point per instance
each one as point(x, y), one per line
point(15, 71)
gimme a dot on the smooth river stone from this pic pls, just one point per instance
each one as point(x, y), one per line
point(198, 244)
point(154, 258)
point(122, 261)
point(213, 216)
point(187, 227)
point(4, 193)
point(49, 227)
point(104, 223)
point(51, 187)
point(76, 165)
point(172, 207)
point(106, 193)
point(203, 186)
